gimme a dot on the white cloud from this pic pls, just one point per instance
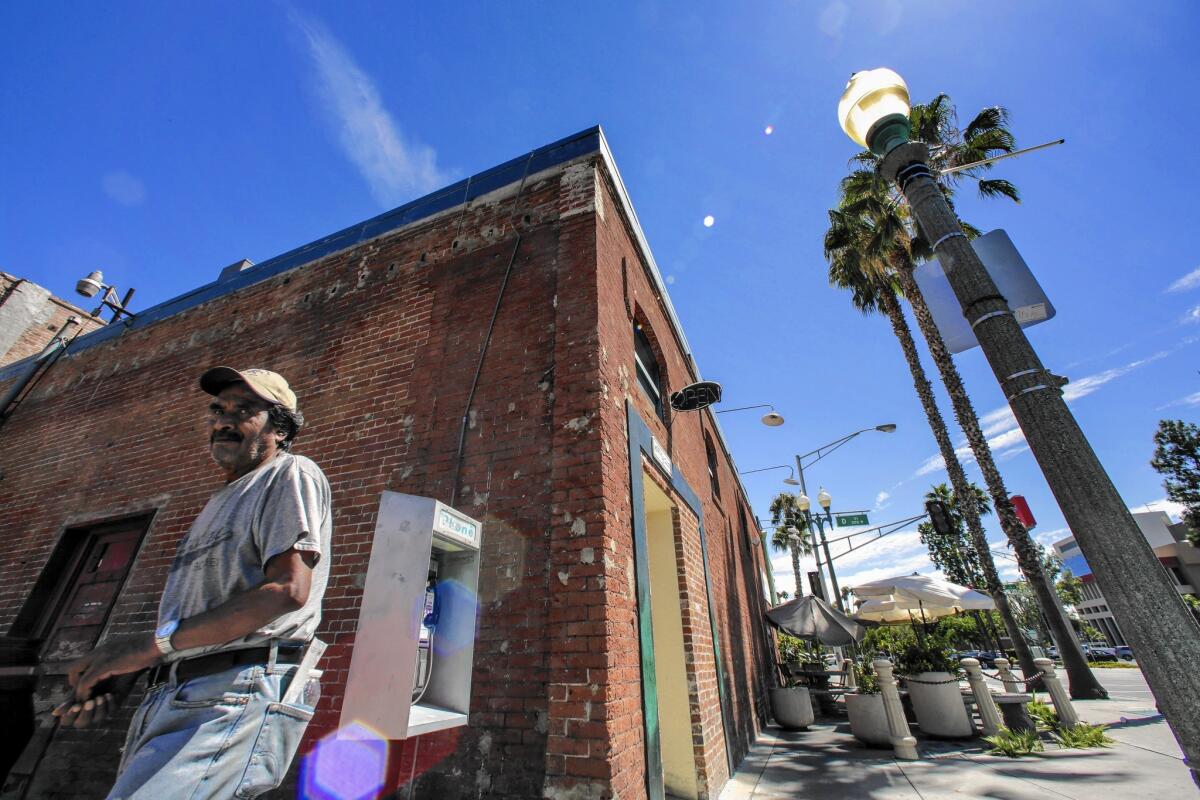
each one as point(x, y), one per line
point(931, 465)
point(833, 19)
point(1008, 571)
point(1174, 510)
point(1193, 315)
point(124, 188)
point(1085, 386)
point(1189, 281)
point(1006, 439)
point(881, 500)
point(1047, 538)
point(1190, 400)
point(917, 562)
point(394, 167)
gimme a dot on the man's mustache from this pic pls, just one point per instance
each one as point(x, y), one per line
point(224, 436)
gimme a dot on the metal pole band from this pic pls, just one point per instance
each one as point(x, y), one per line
point(1021, 374)
point(917, 169)
point(950, 235)
point(1040, 386)
point(989, 315)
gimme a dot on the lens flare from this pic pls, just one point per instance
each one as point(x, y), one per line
point(708, 221)
point(346, 765)
point(769, 130)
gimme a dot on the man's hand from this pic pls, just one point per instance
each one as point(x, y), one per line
point(111, 659)
point(109, 695)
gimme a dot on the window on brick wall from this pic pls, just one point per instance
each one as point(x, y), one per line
point(649, 376)
point(71, 601)
point(711, 452)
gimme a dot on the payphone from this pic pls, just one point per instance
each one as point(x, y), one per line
point(410, 669)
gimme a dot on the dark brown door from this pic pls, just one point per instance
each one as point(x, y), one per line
point(84, 602)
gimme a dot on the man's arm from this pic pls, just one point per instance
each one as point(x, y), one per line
point(285, 588)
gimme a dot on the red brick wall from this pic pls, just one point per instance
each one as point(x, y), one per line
point(734, 564)
point(381, 343)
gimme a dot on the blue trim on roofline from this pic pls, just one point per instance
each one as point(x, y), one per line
point(567, 149)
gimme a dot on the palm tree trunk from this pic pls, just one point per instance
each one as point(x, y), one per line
point(958, 479)
point(795, 551)
point(1083, 683)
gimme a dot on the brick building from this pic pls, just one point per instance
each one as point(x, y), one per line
point(30, 316)
point(505, 345)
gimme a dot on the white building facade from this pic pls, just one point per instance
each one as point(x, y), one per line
point(1170, 544)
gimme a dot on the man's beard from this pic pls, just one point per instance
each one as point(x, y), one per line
point(251, 456)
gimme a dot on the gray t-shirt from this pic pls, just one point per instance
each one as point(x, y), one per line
point(282, 504)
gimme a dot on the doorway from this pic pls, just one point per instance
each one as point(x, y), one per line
point(674, 702)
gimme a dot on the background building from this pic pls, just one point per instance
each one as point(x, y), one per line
point(30, 316)
point(505, 345)
point(1170, 544)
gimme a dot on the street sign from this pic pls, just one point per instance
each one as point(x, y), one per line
point(1013, 278)
point(851, 520)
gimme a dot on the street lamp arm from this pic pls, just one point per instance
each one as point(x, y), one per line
point(826, 449)
point(745, 408)
point(765, 469)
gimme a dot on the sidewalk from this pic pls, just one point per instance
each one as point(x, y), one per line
point(827, 762)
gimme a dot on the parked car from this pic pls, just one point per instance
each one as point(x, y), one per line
point(1099, 651)
point(1124, 652)
point(987, 659)
point(1052, 652)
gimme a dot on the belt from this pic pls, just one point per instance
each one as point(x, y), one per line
point(212, 663)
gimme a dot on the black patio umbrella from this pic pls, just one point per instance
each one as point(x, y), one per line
point(810, 617)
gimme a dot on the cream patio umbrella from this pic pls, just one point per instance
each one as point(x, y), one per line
point(909, 597)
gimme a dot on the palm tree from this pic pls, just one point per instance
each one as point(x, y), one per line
point(873, 288)
point(791, 532)
point(896, 242)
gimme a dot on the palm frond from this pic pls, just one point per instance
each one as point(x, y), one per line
point(970, 230)
point(988, 119)
point(999, 188)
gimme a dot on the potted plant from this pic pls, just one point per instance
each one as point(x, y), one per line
point(931, 677)
point(791, 704)
point(868, 720)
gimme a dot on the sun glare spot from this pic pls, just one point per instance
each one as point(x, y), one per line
point(769, 130)
point(708, 221)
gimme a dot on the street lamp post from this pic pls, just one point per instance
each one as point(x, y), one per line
point(1165, 635)
point(824, 500)
point(820, 453)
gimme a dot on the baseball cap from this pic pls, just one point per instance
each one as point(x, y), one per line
point(270, 386)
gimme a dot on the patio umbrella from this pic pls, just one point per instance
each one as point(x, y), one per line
point(810, 617)
point(909, 597)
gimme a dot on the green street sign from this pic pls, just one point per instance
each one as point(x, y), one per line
point(851, 520)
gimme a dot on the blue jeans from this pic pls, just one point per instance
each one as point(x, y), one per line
point(218, 736)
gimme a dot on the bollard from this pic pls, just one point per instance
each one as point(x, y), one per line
point(903, 742)
point(851, 682)
point(1011, 684)
point(1067, 717)
point(989, 715)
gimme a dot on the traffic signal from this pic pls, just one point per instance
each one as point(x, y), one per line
point(939, 517)
point(815, 585)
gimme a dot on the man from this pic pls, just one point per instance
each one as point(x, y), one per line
point(242, 601)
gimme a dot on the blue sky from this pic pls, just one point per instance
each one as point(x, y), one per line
point(161, 142)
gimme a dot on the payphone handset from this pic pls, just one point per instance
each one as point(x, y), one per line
point(429, 618)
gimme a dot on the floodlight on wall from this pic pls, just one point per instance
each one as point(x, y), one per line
point(93, 284)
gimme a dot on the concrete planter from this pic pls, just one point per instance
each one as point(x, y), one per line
point(792, 707)
point(939, 707)
point(868, 720)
